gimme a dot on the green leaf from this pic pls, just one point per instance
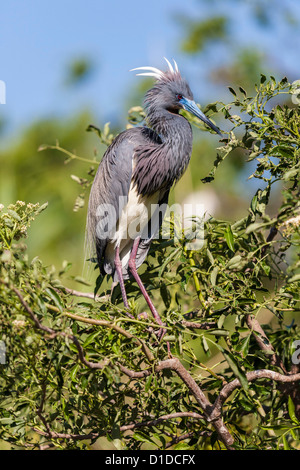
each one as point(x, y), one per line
point(142, 437)
point(285, 443)
point(234, 262)
point(243, 91)
point(282, 151)
point(291, 409)
point(236, 369)
point(258, 226)
point(81, 280)
point(210, 256)
point(182, 446)
point(174, 254)
point(263, 78)
point(243, 347)
point(253, 204)
point(295, 278)
point(214, 275)
point(73, 372)
point(55, 297)
point(14, 214)
point(229, 238)
point(41, 208)
point(218, 332)
point(91, 338)
point(290, 174)
point(92, 128)
point(165, 294)
point(148, 383)
point(204, 344)
point(221, 320)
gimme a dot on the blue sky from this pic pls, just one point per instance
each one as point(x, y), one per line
point(39, 38)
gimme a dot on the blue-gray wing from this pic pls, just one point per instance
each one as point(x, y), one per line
point(109, 193)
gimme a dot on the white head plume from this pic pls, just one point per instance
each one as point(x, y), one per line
point(154, 72)
point(169, 65)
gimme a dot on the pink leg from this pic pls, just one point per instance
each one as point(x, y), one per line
point(118, 265)
point(132, 267)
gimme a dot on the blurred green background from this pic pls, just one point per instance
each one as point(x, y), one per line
point(65, 66)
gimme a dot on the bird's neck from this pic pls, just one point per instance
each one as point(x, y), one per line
point(176, 135)
point(175, 131)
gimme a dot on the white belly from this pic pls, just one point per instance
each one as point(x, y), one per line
point(133, 220)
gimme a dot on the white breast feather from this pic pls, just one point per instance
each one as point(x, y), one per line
point(134, 218)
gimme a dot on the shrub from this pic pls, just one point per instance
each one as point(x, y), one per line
point(76, 371)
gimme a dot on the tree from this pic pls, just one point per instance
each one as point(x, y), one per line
point(77, 371)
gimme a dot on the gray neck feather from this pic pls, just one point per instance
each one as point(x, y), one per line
point(176, 134)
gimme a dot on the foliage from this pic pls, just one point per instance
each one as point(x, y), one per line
point(79, 372)
point(78, 71)
point(231, 39)
point(33, 176)
point(203, 32)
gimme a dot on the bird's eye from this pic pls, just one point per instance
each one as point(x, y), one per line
point(179, 97)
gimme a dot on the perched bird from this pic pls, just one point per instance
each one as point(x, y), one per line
point(136, 172)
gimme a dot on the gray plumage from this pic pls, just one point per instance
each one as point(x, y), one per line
point(139, 168)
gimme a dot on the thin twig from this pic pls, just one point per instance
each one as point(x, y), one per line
point(53, 334)
point(175, 365)
point(251, 376)
point(154, 422)
point(58, 435)
point(124, 428)
point(185, 436)
point(88, 295)
point(272, 234)
point(208, 325)
point(34, 318)
point(115, 327)
point(211, 413)
point(263, 341)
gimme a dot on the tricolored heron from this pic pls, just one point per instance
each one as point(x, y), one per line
point(136, 172)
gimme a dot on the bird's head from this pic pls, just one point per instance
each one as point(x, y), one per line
point(172, 92)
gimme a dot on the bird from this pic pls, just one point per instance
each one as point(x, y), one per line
point(136, 173)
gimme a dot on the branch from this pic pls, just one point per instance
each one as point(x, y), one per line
point(53, 334)
point(88, 295)
point(91, 365)
point(251, 376)
point(188, 435)
point(263, 341)
point(175, 365)
point(34, 318)
point(183, 437)
point(203, 326)
point(58, 435)
point(128, 427)
point(115, 327)
point(104, 298)
point(154, 422)
point(212, 413)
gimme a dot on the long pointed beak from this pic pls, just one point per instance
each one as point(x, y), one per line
point(191, 106)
